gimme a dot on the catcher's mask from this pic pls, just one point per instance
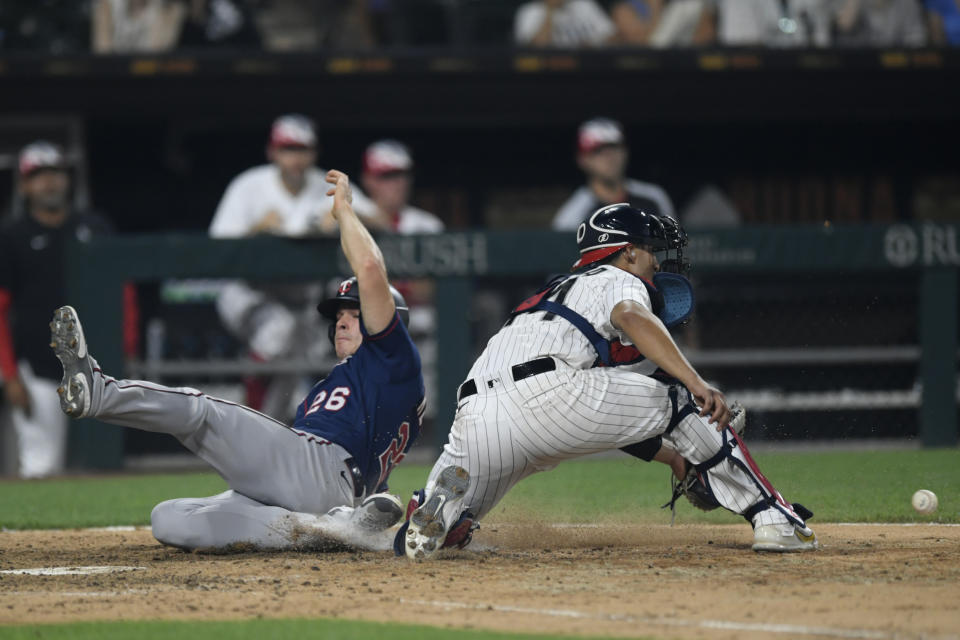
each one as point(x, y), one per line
point(348, 296)
point(611, 228)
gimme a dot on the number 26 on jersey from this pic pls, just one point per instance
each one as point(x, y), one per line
point(336, 400)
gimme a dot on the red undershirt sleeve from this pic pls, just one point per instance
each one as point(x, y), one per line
point(8, 358)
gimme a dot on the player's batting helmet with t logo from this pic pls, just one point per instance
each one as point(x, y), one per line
point(611, 228)
point(349, 293)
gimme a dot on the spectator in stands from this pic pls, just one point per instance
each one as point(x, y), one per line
point(686, 23)
point(31, 284)
point(219, 23)
point(562, 23)
point(388, 178)
point(665, 23)
point(636, 20)
point(943, 20)
point(130, 26)
point(287, 197)
point(878, 23)
point(602, 155)
point(772, 23)
point(127, 26)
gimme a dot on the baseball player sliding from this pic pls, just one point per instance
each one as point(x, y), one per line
point(553, 384)
point(349, 432)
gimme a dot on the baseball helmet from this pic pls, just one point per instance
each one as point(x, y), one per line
point(611, 228)
point(349, 293)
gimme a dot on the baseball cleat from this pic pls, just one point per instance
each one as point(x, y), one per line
point(70, 347)
point(428, 524)
point(782, 538)
point(378, 512)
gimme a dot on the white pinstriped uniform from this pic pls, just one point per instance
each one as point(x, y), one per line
point(511, 429)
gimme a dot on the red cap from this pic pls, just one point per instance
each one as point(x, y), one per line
point(387, 156)
point(293, 130)
point(41, 155)
point(597, 133)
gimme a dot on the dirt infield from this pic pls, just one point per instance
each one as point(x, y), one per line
point(681, 582)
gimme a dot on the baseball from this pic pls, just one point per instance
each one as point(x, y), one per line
point(924, 501)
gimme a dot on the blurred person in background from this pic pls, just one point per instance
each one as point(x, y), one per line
point(665, 23)
point(287, 197)
point(563, 23)
point(943, 21)
point(602, 155)
point(126, 26)
point(878, 23)
point(219, 23)
point(636, 20)
point(32, 284)
point(773, 23)
point(129, 26)
point(388, 179)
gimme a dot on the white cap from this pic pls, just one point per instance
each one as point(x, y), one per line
point(387, 156)
point(293, 130)
point(597, 133)
point(41, 155)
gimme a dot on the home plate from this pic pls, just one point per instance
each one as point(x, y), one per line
point(70, 571)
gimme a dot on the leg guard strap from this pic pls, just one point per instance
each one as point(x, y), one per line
point(718, 457)
point(763, 505)
point(678, 414)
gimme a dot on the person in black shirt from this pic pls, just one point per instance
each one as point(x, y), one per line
point(31, 287)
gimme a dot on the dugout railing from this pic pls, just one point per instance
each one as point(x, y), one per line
point(733, 267)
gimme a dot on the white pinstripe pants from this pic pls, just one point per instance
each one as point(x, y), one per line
point(509, 430)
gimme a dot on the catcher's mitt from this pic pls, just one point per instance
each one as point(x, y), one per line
point(691, 486)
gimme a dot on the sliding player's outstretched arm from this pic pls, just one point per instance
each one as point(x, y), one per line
point(376, 302)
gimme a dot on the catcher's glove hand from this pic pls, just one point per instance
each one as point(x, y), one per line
point(691, 486)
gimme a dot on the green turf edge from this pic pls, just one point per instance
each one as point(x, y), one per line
point(259, 629)
point(839, 486)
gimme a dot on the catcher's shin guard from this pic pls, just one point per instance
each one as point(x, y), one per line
point(720, 475)
point(726, 472)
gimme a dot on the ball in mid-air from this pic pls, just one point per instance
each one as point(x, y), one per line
point(924, 501)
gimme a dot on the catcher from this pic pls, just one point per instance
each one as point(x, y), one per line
point(564, 378)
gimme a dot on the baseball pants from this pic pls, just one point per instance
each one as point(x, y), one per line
point(511, 429)
point(272, 470)
point(41, 436)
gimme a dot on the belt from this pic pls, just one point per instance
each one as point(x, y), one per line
point(519, 372)
point(358, 485)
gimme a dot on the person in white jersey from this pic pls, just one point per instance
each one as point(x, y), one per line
point(388, 177)
point(287, 197)
point(602, 155)
point(560, 381)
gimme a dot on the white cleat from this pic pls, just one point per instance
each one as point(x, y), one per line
point(428, 526)
point(783, 538)
point(378, 512)
point(70, 347)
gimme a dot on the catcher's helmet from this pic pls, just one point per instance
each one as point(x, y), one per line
point(611, 228)
point(348, 292)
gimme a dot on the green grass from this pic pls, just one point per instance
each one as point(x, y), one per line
point(252, 629)
point(837, 486)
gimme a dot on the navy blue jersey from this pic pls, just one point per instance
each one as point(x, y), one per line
point(371, 404)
